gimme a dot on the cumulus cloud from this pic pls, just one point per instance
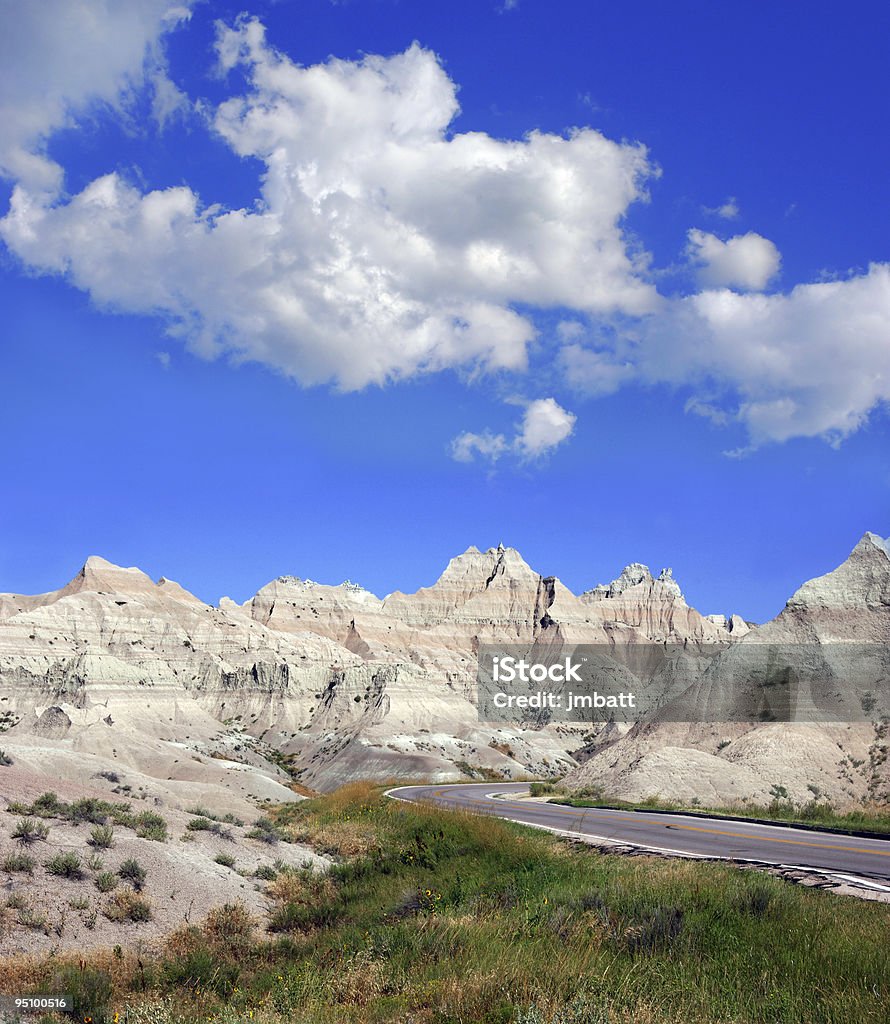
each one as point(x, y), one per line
point(810, 363)
point(544, 425)
point(382, 246)
point(57, 57)
point(744, 261)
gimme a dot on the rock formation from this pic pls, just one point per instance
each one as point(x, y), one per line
point(115, 673)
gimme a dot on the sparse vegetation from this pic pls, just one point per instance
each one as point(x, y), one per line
point(28, 832)
point(95, 862)
point(226, 819)
point(5, 759)
point(133, 872)
point(66, 865)
point(265, 872)
point(126, 905)
point(102, 837)
point(447, 918)
point(202, 824)
point(19, 862)
point(266, 831)
point(225, 859)
point(106, 881)
point(146, 824)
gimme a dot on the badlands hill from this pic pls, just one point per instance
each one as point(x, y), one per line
point(117, 675)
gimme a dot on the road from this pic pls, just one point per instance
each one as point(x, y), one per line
point(841, 856)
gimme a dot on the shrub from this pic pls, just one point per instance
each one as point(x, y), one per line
point(89, 809)
point(228, 819)
point(95, 862)
point(28, 832)
point(19, 862)
point(149, 825)
point(133, 872)
point(65, 865)
point(208, 825)
point(102, 836)
point(106, 881)
point(89, 988)
point(127, 906)
point(266, 831)
point(266, 872)
point(226, 859)
point(5, 759)
point(46, 805)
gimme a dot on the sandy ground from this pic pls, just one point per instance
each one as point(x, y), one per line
point(183, 880)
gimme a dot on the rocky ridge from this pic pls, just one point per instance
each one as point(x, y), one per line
point(117, 673)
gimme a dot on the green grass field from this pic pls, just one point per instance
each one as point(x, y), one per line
point(440, 918)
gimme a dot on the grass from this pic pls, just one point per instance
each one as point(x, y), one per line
point(450, 919)
point(814, 812)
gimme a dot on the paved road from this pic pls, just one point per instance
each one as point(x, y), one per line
point(831, 853)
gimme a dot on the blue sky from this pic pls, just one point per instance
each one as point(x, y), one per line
point(339, 289)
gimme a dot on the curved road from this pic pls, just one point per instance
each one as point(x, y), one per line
point(841, 856)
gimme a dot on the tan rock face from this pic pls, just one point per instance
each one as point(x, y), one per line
point(115, 669)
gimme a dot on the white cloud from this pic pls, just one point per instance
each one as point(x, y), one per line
point(544, 425)
point(728, 210)
point(381, 247)
point(594, 372)
point(466, 446)
point(810, 363)
point(744, 261)
point(57, 57)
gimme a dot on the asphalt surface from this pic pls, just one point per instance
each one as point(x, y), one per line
point(840, 856)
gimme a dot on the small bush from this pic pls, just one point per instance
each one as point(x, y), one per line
point(133, 872)
point(19, 862)
point(90, 989)
point(226, 859)
point(149, 825)
point(46, 805)
point(106, 881)
point(88, 810)
point(95, 862)
point(102, 837)
point(266, 831)
point(227, 819)
point(65, 865)
point(27, 832)
point(5, 759)
point(266, 872)
point(79, 903)
point(209, 825)
point(127, 906)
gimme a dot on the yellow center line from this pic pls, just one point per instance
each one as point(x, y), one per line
point(691, 828)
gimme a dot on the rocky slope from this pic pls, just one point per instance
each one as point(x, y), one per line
point(228, 705)
point(117, 672)
point(834, 634)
